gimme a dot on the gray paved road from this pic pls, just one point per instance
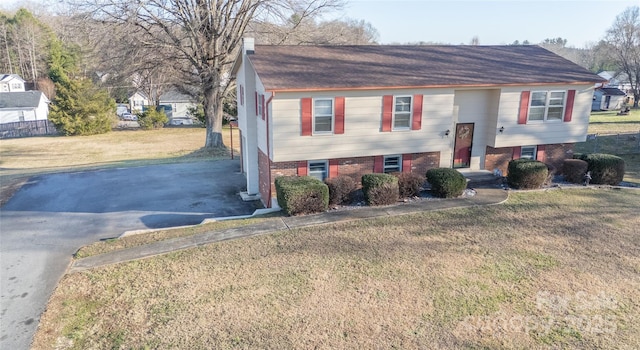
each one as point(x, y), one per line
point(53, 215)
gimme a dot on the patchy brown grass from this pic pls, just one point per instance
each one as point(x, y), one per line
point(547, 269)
point(22, 158)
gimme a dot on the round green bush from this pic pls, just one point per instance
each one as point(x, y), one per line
point(301, 194)
point(373, 192)
point(606, 169)
point(526, 173)
point(574, 170)
point(446, 182)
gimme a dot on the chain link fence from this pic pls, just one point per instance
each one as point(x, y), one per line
point(621, 143)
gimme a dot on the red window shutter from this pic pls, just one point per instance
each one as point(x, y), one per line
point(540, 155)
point(302, 168)
point(257, 96)
point(568, 111)
point(264, 111)
point(339, 113)
point(406, 163)
point(378, 164)
point(416, 120)
point(516, 152)
point(524, 107)
point(333, 168)
point(387, 112)
point(307, 119)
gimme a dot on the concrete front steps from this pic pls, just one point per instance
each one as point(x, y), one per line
point(481, 178)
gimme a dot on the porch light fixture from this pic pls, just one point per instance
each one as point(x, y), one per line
point(501, 129)
point(446, 133)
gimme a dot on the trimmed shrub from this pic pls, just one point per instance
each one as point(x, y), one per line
point(380, 189)
point(340, 189)
point(606, 169)
point(409, 184)
point(574, 170)
point(301, 194)
point(527, 173)
point(446, 182)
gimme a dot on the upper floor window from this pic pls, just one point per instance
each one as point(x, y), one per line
point(318, 169)
point(322, 116)
point(547, 106)
point(16, 86)
point(402, 113)
point(392, 164)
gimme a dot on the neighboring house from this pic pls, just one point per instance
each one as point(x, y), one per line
point(616, 80)
point(608, 98)
point(327, 111)
point(11, 83)
point(137, 101)
point(179, 103)
point(23, 106)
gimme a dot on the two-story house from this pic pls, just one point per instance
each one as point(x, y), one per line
point(327, 111)
point(11, 83)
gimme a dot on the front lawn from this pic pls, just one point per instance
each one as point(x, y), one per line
point(555, 269)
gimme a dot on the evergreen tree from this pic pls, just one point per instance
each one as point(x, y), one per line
point(78, 108)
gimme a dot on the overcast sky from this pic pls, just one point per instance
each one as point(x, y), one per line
point(493, 22)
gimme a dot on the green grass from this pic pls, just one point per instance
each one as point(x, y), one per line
point(523, 274)
point(619, 135)
point(610, 123)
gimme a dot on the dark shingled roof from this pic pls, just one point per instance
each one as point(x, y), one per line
point(612, 91)
point(340, 67)
point(20, 99)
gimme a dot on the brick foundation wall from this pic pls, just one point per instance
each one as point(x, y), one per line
point(353, 167)
point(422, 162)
point(554, 155)
point(264, 180)
point(498, 158)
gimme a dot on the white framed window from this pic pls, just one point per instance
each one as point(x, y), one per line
point(528, 152)
point(392, 164)
point(323, 116)
point(318, 169)
point(402, 112)
point(547, 105)
point(16, 86)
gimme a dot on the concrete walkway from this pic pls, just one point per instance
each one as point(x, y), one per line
point(484, 196)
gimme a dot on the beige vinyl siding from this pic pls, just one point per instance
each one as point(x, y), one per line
point(261, 124)
point(362, 136)
point(540, 133)
point(478, 107)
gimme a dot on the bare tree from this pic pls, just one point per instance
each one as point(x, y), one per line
point(623, 40)
point(23, 42)
point(200, 38)
point(299, 30)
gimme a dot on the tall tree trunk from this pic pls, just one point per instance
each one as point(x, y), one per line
point(214, 112)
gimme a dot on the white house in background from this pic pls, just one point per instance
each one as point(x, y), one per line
point(23, 106)
point(11, 83)
point(137, 101)
point(608, 98)
point(179, 103)
point(327, 111)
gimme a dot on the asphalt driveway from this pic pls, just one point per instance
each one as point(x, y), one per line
point(53, 215)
